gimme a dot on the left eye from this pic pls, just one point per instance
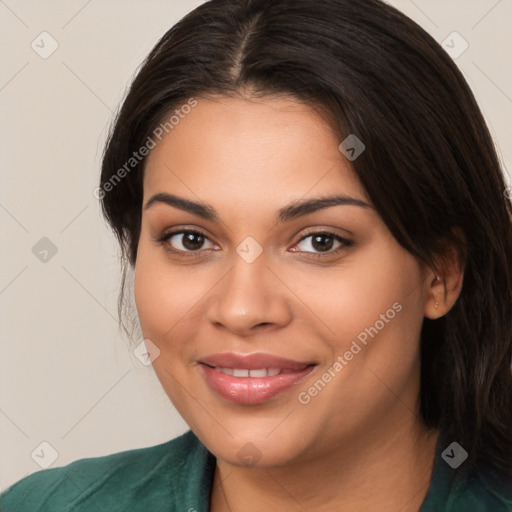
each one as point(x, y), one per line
point(322, 242)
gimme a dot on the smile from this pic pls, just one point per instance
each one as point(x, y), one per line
point(244, 372)
point(251, 386)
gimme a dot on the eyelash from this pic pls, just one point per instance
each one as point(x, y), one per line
point(345, 244)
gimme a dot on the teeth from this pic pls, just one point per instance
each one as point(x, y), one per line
point(243, 372)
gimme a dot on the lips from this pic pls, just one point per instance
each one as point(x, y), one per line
point(254, 378)
point(243, 372)
point(255, 361)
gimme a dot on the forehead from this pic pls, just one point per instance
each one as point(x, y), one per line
point(262, 148)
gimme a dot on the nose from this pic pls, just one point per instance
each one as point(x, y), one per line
point(250, 298)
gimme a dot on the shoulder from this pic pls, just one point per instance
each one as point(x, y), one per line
point(485, 487)
point(112, 482)
point(479, 490)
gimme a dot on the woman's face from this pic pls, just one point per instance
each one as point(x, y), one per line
point(325, 287)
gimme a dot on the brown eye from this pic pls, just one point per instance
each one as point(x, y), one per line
point(192, 241)
point(323, 242)
point(185, 241)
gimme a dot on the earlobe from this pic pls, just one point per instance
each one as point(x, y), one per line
point(444, 280)
point(433, 305)
point(442, 292)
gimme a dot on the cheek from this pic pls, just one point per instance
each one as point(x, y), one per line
point(377, 289)
point(163, 294)
point(372, 316)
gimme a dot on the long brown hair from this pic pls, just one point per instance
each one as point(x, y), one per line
point(430, 168)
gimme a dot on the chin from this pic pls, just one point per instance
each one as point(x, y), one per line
point(254, 447)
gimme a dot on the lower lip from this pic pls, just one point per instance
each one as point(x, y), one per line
point(251, 390)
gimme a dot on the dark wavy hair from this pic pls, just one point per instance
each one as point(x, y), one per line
point(430, 168)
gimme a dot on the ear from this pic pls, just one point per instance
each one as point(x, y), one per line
point(443, 287)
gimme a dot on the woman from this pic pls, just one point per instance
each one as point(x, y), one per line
point(322, 245)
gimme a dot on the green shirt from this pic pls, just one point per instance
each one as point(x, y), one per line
point(177, 476)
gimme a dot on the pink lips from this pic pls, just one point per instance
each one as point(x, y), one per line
point(251, 390)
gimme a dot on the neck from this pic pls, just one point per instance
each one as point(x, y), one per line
point(361, 474)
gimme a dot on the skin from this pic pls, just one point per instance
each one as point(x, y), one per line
point(248, 158)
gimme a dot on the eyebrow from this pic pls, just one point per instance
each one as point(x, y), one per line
point(292, 211)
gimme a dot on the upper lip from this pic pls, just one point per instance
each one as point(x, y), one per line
point(254, 361)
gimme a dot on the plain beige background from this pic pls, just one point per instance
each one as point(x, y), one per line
point(68, 377)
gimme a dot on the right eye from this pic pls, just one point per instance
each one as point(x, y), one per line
point(185, 243)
